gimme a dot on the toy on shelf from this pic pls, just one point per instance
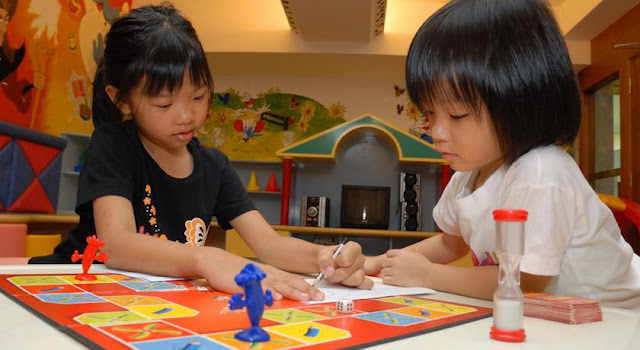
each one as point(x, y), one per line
point(253, 183)
point(83, 156)
point(249, 279)
point(91, 252)
point(272, 186)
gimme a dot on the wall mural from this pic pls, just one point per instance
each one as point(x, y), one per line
point(48, 56)
point(49, 51)
point(421, 126)
point(248, 127)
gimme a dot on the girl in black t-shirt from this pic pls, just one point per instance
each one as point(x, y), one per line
point(146, 173)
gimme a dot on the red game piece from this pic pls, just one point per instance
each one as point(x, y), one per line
point(90, 253)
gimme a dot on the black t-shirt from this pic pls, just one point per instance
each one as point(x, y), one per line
point(174, 209)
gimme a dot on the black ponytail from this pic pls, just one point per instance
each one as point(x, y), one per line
point(104, 110)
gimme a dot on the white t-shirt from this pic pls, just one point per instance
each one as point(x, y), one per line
point(569, 234)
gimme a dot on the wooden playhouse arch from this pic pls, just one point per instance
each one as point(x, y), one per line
point(324, 146)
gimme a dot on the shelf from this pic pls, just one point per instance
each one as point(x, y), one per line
point(73, 219)
point(265, 192)
point(70, 173)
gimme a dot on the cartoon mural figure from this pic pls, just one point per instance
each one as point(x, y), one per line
point(16, 89)
point(111, 9)
point(249, 128)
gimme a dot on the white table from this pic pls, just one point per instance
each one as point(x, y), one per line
point(620, 329)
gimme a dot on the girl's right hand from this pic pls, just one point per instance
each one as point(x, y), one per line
point(288, 285)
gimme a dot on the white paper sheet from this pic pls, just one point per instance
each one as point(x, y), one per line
point(334, 292)
point(101, 269)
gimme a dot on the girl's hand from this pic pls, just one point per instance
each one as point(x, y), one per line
point(373, 264)
point(347, 268)
point(405, 268)
point(287, 285)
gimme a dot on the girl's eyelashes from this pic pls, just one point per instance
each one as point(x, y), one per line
point(458, 117)
point(198, 98)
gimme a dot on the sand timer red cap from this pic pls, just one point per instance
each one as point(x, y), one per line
point(508, 302)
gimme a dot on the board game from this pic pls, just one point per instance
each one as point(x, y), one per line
point(122, 312)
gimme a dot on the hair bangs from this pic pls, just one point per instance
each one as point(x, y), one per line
point(165, 66)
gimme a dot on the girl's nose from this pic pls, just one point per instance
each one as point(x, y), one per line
point(185, 116)
point(439, 132)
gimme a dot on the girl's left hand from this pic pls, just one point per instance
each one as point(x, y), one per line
point(347, 268)
point(405, 268)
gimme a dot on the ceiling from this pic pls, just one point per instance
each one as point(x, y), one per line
point(338, 37)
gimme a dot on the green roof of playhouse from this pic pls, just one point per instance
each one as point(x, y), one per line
point(324, 145)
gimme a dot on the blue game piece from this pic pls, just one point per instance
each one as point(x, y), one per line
point(249, 279)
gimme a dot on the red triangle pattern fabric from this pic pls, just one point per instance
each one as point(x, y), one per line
point(33, 199)
point(4, 140)
point(38, 155)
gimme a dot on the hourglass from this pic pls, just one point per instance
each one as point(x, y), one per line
point(508, 302)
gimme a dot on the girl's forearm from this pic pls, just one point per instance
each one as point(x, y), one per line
point(292, 254)
point(476, 281)
point(441, 249)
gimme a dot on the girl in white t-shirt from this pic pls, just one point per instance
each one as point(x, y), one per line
point(496, 81)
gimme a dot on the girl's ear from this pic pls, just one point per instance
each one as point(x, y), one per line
point(122, 105)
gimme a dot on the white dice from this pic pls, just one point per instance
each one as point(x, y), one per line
point(344, 306)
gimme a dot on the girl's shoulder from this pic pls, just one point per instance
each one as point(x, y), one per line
point(211, 156)
point(547, 165)
point(115, 132)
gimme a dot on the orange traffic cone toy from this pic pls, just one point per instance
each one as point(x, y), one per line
point(272, 186)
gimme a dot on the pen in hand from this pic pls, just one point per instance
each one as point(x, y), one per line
point(335, 254)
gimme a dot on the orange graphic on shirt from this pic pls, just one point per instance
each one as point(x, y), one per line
point(195, 231)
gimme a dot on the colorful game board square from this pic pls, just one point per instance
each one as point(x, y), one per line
point(50, 289)
point(276, 342)
point(311, 332)
point(290, 316)
point(70, 298)
point(144, 331)
point(403, 300)
point(123, 278)
point(109, 318)
point(148, 286)
point(99, 279)
point(422, 313)
point(326, 310)
point(163, 311)
point(390, 318)
point(448, 308)
point(186, 343)
point(197, 284)
point(35, 280)
point(131, 300)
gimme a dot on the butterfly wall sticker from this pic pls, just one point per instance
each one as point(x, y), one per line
point(224, 98)
point(398, 90)
point(399, 108)
point(294, 102)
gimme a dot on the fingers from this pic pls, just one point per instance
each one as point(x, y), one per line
point(373, 265)
point(294, 288)
point(350, 258)
point(392, 253)
point(358, 280)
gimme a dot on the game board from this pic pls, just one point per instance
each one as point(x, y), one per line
point(121, 312)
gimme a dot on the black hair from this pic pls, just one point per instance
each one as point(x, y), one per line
point(154, 44)
point(508, 55)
